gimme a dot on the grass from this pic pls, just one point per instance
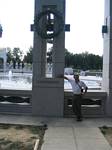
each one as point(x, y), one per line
point(107, 132)
point(20, 137)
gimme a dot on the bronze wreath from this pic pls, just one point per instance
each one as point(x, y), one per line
point(39, 29)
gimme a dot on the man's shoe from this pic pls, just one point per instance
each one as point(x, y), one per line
point(79, 119)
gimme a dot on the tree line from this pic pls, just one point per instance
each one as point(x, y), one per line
point(16, 55)
point(83, 61)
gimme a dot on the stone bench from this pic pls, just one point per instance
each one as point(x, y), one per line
point(93, 104)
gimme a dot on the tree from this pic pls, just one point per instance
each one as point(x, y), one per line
point(17, 54)
point(9, 55)
point(49, 55)
point(83, 61)
point(68, 58)
point(28, 58)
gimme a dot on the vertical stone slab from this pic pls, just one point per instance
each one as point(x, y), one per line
point(48, 93)
point(107, 57)
point(3, 55)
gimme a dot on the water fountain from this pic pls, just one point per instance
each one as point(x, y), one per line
point(16, 81)
point(24, 81)
point(10, 74)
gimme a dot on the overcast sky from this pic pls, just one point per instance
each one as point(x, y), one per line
point(85, 17)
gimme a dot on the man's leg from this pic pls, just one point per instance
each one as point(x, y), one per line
point(77, 106)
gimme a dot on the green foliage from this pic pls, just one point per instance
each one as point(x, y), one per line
point(28, 58)
point(4, 141)
point(83, 61)
point(14, 55)
point(49, 56)
point(104, 129)
point(9, 55)
point(17, 54)
point(4, 126)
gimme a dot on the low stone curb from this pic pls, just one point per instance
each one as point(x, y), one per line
point(36, 145)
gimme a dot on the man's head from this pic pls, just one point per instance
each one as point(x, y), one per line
point(76, 77)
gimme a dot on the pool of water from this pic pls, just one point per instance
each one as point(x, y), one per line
point(16, 81)
point(23, 81)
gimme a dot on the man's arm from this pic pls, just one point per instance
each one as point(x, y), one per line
point(66, 78)
point(86, 88)
point(62, 76)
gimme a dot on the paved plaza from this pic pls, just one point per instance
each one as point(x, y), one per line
point(67, 133)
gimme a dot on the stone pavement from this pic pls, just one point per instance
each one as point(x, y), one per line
point(66, 133)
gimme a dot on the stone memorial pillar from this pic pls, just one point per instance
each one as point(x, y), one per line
point(48, 92)
point(107, 56)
